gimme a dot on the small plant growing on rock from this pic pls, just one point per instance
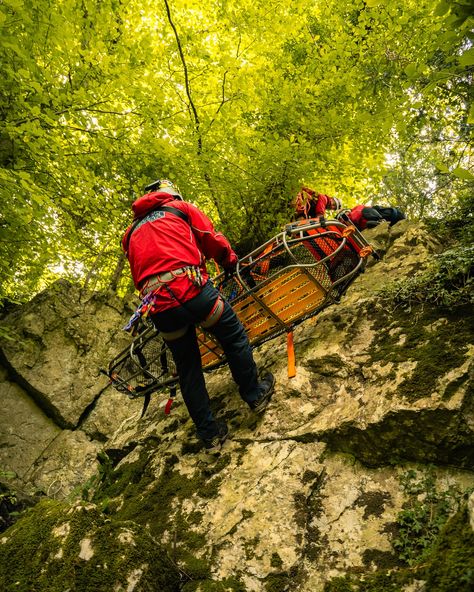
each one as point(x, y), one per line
point(447, 281)
point(426, 512)
point(13, 502)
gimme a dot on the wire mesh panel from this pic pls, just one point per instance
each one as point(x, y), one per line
point(144, 367)
point(288, 279)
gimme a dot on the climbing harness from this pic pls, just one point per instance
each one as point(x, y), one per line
point(289, 279)
point(150, 290)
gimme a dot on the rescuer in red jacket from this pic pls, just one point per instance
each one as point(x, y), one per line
point(167, 245)
point(311, 204)
point(370, 216)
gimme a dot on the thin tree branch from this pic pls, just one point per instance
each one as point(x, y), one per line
point(197, 121)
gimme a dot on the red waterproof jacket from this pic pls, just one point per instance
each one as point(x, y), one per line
point(168, 243)
point(357, 218)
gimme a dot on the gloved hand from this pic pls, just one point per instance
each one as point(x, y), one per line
point(322, 221)
point(373, 223)
point(230, 265)
point(229, 271)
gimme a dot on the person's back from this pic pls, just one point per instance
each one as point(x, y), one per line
point(166, 246)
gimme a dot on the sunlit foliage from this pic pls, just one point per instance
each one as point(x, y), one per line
point(238, 102)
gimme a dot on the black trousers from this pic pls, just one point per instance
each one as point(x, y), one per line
point(230, 333)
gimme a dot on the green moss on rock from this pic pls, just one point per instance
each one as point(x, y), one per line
point(35, 556)
point(157, 502)
point(378, 582)
point(436, 339)
point(448, 567)
point(326, 365)
point(452, 560)
point(226, 585)
point(277, 582)
point(276, 560)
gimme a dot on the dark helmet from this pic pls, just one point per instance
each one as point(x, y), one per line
point(334, 203)
point(165, 186)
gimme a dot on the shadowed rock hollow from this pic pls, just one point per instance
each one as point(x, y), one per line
point(356, 477)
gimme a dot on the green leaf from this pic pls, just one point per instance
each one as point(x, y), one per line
point(411, 70)
point(442, 8)
point(467, 58)
point(463, 174)
point(470, 117)
point(442, 167)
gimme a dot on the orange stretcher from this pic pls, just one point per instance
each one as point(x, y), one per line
point(290, 278)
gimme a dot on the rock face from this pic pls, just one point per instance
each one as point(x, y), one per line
point(56, 410)
point(356, 477)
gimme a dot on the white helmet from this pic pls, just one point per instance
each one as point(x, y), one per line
point(165, 186)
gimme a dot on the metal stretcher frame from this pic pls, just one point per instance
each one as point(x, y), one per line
point(290, 278)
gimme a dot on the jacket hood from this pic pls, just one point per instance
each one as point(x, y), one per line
point(149, 202)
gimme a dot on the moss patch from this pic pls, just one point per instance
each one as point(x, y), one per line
point(276, 561)
point(326, 365)
point(452, 560)
point(378, 582)
point(278, 582)
point(373, 502)
point(157, 504)
point(381, 559)
point(436, 339)
point(138, 510)
point(226, 585)
point(34, 558)
point(381, 443)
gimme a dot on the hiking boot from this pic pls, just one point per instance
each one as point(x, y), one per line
point(266, 385)
point(214, 445)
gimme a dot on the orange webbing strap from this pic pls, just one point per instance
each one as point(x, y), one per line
point(264, 266)
point(348, 231)
point(290, 347)
point(301, 203)
point(365, 251)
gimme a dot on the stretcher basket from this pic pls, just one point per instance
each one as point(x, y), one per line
point(290, 278)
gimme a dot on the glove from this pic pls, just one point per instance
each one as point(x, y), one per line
point(322, 221)
point(229, 270)
point(229, 265)
point(373, 223)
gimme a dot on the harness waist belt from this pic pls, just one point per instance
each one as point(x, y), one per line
point(155, 281)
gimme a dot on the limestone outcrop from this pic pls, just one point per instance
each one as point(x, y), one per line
point(358, 474)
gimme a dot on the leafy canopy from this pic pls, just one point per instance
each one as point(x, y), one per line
point(238, 102)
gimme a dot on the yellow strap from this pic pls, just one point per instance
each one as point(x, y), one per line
point(291, 355)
